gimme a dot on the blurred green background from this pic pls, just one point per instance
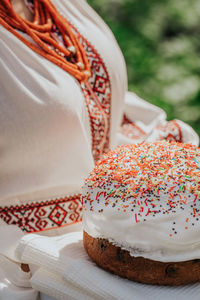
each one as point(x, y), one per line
point(160, 41)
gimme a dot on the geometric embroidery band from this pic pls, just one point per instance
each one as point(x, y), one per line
point(46, 215)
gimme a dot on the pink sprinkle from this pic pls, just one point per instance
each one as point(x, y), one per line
point(148, 212)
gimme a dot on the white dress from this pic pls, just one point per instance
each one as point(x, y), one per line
point(45, 133)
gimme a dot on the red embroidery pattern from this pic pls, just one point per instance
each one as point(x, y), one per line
point(131, 130)
point(57, 213)
point(101, 88)
point(171, 131)
point(45, 215)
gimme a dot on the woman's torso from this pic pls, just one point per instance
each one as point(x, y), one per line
point(44, 123)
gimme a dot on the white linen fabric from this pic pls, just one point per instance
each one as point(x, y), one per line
point(149, 117)
point(44, 123)
point(15, 284)
point(66, 272)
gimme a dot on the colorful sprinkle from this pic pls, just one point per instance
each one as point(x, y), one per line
point(147, 180)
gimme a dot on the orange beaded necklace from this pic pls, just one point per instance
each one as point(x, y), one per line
point(66, 52)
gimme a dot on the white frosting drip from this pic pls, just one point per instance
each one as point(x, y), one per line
point(147, 239)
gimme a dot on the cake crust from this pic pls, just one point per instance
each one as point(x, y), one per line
point(139, 269)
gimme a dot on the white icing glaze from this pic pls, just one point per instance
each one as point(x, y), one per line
point(146, 199)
